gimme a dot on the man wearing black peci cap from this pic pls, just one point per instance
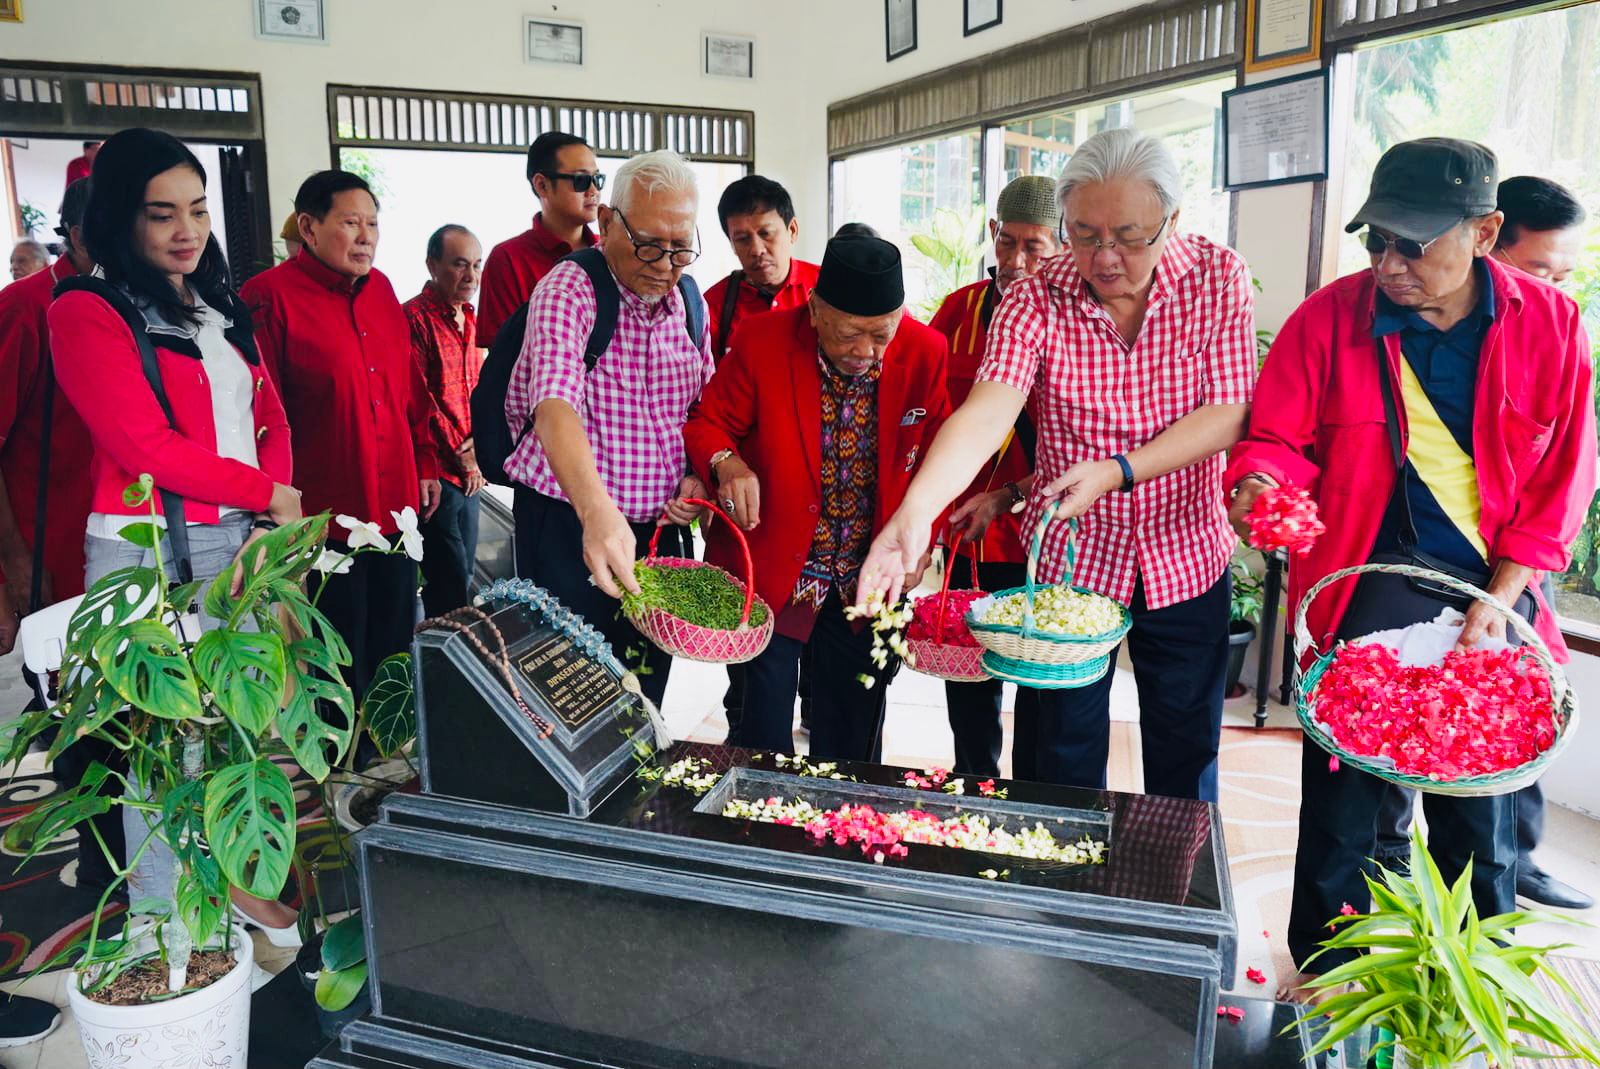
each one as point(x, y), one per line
point(810, 431)
point(1439, 409)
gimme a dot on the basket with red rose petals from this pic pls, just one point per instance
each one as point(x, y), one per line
point(1485, 722)
point(941, 645)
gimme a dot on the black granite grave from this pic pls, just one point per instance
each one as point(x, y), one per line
point(546, 902)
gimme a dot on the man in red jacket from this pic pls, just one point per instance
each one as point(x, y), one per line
point(810, 431)
point(758, 219)
point(1026, 233)
point(1439, 408)
point(335, 340)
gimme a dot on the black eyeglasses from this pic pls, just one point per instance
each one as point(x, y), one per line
point(651, 251)
point(1377, 245)
point(581, 181)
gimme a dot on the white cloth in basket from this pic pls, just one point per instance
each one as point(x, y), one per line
point(1426, 644)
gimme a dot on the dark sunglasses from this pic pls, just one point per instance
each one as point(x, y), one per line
point(580, 181)
point(1377, 245)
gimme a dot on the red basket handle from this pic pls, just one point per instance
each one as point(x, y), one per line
point(944, 588)
point(744, 548)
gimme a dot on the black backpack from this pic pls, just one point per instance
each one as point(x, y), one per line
point(491, 435)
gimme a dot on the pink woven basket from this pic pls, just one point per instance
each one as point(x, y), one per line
point(945, 660)
point(681, 638)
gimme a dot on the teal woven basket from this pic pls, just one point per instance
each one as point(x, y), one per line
point(1046, 659)
point(1564, 707)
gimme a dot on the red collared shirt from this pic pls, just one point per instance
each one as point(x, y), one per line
point(450, 360)
point(513, 268)
point(359, 412)
point(1094, 395)
point(79, 168)
point(24, 354)
point(794, 292)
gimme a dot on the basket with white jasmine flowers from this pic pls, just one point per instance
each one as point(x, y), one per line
point(1055, 635)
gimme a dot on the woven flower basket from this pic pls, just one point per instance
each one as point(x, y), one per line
point(681, 638)
point(1564, 704)
point(1040, 658)
point(947, 660)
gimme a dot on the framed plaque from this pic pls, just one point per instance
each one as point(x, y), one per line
point(722, 56)
point(1276, 132)
point(978, 15)
point(899, 27)
point(544, 41)
point(291, 20)
point(10, 10)
point(1282, 32)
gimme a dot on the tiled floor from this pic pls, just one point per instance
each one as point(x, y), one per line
point(916, 734)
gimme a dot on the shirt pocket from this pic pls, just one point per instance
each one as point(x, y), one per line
point(1525, 439)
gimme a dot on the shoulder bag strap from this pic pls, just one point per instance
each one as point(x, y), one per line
point(1391, 417)
point(730, 304)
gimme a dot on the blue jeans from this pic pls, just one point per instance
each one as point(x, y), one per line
point(449, 548)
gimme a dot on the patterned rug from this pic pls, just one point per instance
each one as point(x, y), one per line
point(43, 910)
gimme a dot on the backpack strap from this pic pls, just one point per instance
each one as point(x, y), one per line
point(171, 503)
point(606, 301)
point(730, 304)
point(694, 310)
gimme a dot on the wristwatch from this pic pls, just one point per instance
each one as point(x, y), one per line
point(1017, 496)
point(717, 458)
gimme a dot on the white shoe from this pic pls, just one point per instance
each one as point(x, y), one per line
point(279, 937)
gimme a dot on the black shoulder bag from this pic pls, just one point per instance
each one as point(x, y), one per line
point(171, 503)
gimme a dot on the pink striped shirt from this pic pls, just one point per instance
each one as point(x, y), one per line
point(633, 404)
point(1098, 396)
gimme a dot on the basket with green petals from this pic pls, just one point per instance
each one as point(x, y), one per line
point(1042, 649)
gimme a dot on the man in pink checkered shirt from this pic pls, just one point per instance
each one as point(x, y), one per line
point(1138, 349)
point(604, 466)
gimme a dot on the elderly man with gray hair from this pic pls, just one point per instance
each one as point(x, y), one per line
point(1136, 355)
point(28, 257)
point(615, 352)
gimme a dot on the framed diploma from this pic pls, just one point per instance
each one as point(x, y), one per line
point(291, 20)
point(1276, 132)
point(552, 42)
point(899, 27)
point(1281, 32)
point(978, 15)
point(722, 56)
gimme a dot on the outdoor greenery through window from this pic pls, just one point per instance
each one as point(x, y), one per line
point(1522, 86)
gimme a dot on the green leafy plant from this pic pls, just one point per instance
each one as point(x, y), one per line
point(1446, 983)
point(32, 217)
point(1246, 603)
point(199, 716)
point(952, 248)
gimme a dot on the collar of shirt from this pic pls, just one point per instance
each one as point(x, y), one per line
point(436, 301)
point(63, 269)
point(325, 276)
point(1178, 258)
point(840, 383)
point(1390, 318)
point(546, 239)
point(158, 323)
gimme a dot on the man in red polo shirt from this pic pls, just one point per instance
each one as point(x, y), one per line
point(758, 218)
point(444, 342)
point(82, 165)
point(25, 382)
point(335, 340)
point(1025, 232)
point(564, 175)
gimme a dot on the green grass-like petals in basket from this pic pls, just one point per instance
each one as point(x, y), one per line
point(1564, 706)
point(1030, 655)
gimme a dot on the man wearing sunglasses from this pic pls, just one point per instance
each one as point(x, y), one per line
point(564, 175)
point(1439, 408)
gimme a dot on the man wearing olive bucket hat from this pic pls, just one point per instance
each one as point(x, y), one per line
point(1439, 408)
point(810, 431)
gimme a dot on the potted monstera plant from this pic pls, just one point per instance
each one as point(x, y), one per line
point(200, 715)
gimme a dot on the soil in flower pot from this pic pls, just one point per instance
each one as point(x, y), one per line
point(1240, 635)
point(149, 980)
point(308, 966)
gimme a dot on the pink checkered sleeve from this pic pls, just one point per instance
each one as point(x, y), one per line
point(1231, 361)
point(1017, 338)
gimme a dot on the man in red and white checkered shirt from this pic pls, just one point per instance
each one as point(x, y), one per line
point(1138, 349)
point(604, 464)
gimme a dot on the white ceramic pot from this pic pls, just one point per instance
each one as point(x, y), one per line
point(209, 1027)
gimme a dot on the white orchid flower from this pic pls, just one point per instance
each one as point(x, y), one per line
point(363, 533)
point(410, 537)
point(331, 563)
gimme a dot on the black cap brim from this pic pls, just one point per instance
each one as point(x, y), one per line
point(1414, 221)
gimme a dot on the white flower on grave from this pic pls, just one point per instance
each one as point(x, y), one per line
point(331, 563)
point(410, 537)
point(363, 533)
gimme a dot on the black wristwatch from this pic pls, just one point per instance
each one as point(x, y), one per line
point(1127, 472)
point(1017, 496)
point(262, 523)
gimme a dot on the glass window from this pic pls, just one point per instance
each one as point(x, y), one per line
point(1187, 118)
point(924, 197)
point(1510, 85)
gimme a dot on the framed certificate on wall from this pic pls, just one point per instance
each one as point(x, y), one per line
point(552, 42)
point(899, 27)
point(1276, 132)
point(724, 56)
point(291, 20)
point(1282, 32)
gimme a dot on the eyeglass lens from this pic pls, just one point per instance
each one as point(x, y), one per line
point(1377, 245)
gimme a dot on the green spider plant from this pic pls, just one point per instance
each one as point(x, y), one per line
point(1447, 984)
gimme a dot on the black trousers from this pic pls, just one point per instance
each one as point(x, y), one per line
point(1339, 810)
point(733, 697)
point(374, 606)
point(846, 717)
point(450, 547)
point(549, 551)
point(974, 708)
point(1180, 661)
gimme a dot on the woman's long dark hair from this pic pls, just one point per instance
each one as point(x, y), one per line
point(126, 163)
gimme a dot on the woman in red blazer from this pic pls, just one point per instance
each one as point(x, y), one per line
point(811, 430)
point(225, 451)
